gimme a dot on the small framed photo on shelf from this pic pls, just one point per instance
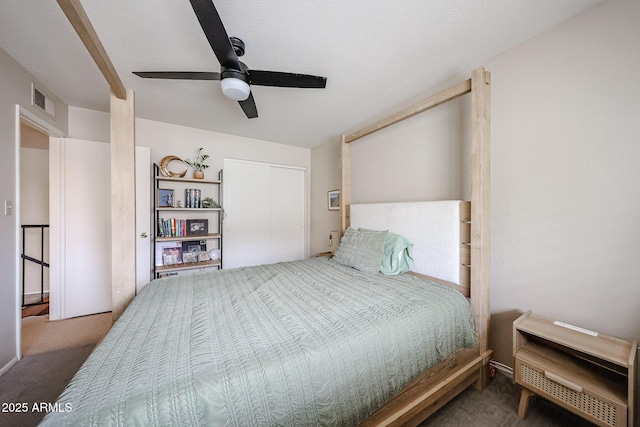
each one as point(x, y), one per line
point(172, 255)
point(333, 200)
point(194, 246)
point(165, 198)
point(194, 251)
point(189, 257)
point(197, 227)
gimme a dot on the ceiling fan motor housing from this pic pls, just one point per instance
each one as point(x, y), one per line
point(238, 45)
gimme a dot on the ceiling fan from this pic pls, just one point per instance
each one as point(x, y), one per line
point(235, 77)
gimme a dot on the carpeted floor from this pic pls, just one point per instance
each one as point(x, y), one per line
point(35, 379)
point(53, 351)
point(40, 335)
point(497, 406)
point(56, 353)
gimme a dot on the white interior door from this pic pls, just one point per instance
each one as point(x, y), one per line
point(80, 204)
point(87, 228)
point(265, 213)
point(143, 217)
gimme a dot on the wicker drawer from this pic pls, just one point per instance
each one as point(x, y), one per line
point(592, 405)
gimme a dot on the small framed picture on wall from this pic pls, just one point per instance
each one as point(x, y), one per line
point(333, 200)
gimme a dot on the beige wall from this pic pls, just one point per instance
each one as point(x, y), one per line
point(325, 176)
point(434, 147)
point(565, 175)
point(565, 198)
point(15, 87)
point(167, 139)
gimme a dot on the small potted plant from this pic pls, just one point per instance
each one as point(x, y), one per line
point(198, 164)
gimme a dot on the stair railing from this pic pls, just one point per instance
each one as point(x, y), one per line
point(40, 262)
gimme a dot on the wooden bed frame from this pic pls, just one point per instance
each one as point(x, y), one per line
point(467, 366)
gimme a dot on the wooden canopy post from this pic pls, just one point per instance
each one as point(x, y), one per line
point(123, 203)
point(481, 211)
point(345, 186)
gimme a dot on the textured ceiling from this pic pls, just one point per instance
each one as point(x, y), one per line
point(376, 55)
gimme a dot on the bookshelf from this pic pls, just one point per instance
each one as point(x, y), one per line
point(185, 231)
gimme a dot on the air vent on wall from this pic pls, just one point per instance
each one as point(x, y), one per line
point(40, 100)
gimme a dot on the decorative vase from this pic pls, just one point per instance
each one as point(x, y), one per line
point(198, 174)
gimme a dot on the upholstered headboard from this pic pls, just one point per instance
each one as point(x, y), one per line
point(436, 229)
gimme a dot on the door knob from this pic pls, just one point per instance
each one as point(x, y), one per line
point(144, 235)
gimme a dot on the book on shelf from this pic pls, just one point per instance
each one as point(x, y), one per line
point(172, 227)
point(193, 198)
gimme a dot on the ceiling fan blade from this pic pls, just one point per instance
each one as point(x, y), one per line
point(183, 75)
point(280, 79)
point(216, 34)
point(249, 107)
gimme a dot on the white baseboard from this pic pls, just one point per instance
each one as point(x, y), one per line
point(8, 366)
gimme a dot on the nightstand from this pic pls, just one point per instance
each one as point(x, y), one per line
point(589, 374)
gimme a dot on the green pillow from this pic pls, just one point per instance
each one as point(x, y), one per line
point(361, 249)
point(397, 255)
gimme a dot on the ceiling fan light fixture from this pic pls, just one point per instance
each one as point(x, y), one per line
point(234, 88)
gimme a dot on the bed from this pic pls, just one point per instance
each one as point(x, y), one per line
point(322, 341)
point(308, 342)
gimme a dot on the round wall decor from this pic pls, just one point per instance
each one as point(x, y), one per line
point(164, 167)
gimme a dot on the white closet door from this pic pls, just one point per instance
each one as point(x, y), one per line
point(246, 204)
point(287, 214)
point(265, 213)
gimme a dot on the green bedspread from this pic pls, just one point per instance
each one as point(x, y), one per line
point(301, 343)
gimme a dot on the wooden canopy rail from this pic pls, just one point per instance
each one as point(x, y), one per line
point(441, 383)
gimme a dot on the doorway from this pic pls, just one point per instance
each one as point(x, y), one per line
point(67, 256)
point(34, 221)
point(36, 132)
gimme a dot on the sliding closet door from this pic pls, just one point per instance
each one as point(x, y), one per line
point(246, 193)
point(265, 213)
point(287, 214)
